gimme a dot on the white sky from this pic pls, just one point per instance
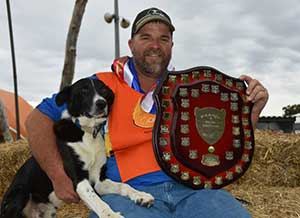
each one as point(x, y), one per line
point(259, 37)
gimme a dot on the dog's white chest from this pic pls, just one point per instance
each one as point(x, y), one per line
point(91, 152)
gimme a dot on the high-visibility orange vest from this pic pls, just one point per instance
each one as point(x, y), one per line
point(130, 130)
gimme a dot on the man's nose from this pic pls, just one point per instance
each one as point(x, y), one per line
point(155, 43)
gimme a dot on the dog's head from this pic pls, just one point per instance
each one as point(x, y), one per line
point(88, 101)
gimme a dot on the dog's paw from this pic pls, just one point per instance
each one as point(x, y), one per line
point(142, 198)
point(111, 214)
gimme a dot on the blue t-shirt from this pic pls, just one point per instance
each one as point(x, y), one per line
point(48, 107)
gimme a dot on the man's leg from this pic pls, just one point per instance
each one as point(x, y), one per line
point(175, 200)
point(160, 209)
point(129, 209)
point(209, 203)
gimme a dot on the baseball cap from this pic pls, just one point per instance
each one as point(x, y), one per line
point(148, 15)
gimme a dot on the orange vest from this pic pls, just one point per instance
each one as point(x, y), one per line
point(131, 143)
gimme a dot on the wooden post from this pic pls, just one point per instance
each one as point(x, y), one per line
point(70, 52)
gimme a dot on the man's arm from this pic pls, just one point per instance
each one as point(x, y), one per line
point(43, 146)
point(258, 95)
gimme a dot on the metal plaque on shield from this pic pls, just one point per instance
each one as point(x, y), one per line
point(203, 136)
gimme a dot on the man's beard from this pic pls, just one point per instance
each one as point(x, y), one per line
point(156, 67)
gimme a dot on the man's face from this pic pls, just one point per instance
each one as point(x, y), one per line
point(151, 48)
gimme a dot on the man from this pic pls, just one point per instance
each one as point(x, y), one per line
point(129, 132)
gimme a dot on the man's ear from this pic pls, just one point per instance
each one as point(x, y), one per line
point(63, 96)
point(130, 42)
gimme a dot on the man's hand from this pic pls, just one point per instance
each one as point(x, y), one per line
point(63, 188)
point(258, 95)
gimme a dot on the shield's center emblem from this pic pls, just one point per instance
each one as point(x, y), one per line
point(210, 123)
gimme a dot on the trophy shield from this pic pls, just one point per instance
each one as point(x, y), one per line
point(203, 135)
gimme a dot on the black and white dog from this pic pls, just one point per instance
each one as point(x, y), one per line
point(82, 148)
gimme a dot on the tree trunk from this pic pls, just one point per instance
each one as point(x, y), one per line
point(70, 52)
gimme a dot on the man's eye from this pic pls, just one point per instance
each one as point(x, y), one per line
point(145, 37)
point(165, 39)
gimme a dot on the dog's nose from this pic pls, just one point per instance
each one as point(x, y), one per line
point(100, 104)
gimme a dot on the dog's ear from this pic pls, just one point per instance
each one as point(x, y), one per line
point(110, 98)
point(63, 96)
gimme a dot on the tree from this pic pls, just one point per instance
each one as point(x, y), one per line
point(71, 43)
point(291, 110)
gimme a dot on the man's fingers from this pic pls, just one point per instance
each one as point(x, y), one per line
point(254, 86)
point(74, 197)
point(69, 197)
point(245, 78)
point(64, 190)
point(248, 80)
point(256, 92)
point(71, 200)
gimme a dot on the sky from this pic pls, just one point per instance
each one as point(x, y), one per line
point(260, 38)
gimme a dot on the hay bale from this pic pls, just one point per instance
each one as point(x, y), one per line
point(266, 202)
point(12, 156)
point(73, 210)
point(271, 185)
point(276, 160)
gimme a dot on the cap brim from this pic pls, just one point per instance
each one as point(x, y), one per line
point(142, 22)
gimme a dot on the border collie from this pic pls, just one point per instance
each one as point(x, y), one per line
point(82, 148)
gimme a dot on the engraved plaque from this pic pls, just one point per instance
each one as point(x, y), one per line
point(203, 135)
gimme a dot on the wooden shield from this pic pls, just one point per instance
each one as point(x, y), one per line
point(203, 135)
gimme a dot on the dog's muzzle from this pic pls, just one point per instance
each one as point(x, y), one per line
point(100, 104)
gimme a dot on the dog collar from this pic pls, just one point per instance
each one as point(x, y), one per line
point(92, 130)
